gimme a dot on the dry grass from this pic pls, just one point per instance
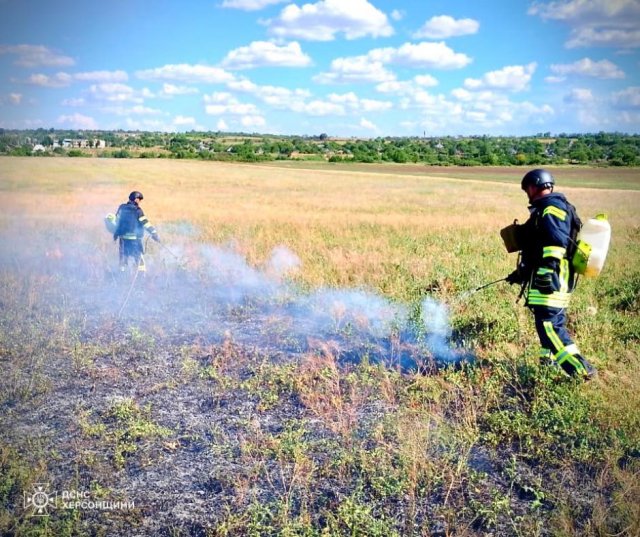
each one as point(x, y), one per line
point(223, 438)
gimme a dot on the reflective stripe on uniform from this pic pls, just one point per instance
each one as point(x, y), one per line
point(557, 252)
point(563, 353)
point(556, 299)
point(553, 337)
point(555, 211)
point(568, 354)
point(129, 236)
point(564, 276)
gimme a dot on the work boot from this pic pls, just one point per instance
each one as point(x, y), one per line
point(590, 372)
point(586, 370)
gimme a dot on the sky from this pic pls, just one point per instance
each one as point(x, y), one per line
point(347, 68)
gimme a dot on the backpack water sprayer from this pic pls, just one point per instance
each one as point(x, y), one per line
point(110, 223)
point(592, 246)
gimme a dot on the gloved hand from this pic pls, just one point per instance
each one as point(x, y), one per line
point(115, 237)
point(514, 278)
point(155, 237)
point(543, 281)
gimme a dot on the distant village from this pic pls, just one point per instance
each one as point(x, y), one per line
point(69, 143)
point(612, 149)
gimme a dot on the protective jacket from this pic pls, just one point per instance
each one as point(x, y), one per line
point(131, 222)
point(549, 236)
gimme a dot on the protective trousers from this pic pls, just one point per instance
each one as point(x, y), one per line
point(556, 341)
point(131, 248)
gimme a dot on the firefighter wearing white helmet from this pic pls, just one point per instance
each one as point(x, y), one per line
point(547, 241)
point(130, 225)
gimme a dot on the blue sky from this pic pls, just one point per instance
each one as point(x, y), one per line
point(362, 68)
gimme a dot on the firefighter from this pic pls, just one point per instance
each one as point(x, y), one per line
point(547, 240)
point(131, 224)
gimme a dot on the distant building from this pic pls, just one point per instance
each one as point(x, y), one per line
point(38, 148)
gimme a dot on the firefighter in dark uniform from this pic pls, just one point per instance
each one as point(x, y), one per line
point(131, 224)
point(548, 239)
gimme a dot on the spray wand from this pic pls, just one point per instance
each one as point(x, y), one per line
point(467, 294)
point(487, 285)
point(168, 250)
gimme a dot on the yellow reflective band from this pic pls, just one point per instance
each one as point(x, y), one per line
point(556, 252)
point(555, 211)
point(142, 218)
point(553, 300)
point(129, 236)
point(564, 276)
point(555, 339)
point(567, 357)
point(147, 225)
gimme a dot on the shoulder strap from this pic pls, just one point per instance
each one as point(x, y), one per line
point(576, 225)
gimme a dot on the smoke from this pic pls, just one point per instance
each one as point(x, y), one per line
point(208, 291)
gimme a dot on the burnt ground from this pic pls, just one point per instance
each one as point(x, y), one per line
point(215, 410)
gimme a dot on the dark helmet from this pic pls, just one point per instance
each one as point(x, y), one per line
point(539, 178)
point(135, 195)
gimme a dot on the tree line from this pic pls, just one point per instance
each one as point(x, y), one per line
point(602, 148)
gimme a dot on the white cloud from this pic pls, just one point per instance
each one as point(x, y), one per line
point(250, 5)
point(555, 79)
point(371, 67)
point(354, 69)
point(586, 67)
point(101, 76)
point(407, 86)
point(221, 103)
point(319, 108)
point(12, 98)
point(36, 56)
point(579, 96)
point(398, 14)
point(354, 103)
point(188, 73)
point(425, 80)
point(266, 54)
point(616, 37)
point(59, 80)
point(612, 23)
point(464, 95)
point(366, 124)
point(137, 110)
point(627, 98)
point(221, 125)
point(472, 111)
point(114, 92)
point(511, 78)
point(74, 101)
point(149, 125)
point(323, 20)
point(425, 55)
point(253, 121)
point(444, 26)
point(171, 90)
point(183, 120)
point(78, 121)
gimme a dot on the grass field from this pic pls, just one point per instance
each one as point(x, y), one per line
point(247, 385)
